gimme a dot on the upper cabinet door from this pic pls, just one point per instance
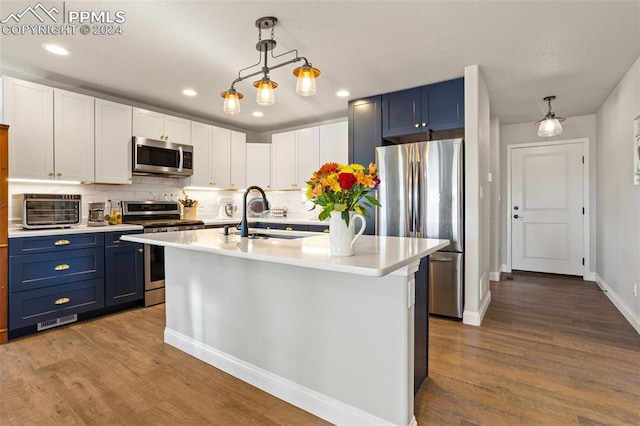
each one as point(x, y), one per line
point(148, 124)
point(259, 165)
point(177, 130)
point(201, 141)
point(443, 104)
point(308, 155)
point(28, 109)
point(401, 113)
point(238, 160)
point(220, 156)
point(334, 143)
point(283, 160)
point(113, 142)
point(74, 136)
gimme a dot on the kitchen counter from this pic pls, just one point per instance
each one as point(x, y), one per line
point(331, 335)
point(16, 231)
point(293, 220)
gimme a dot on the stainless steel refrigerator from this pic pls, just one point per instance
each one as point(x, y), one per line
point(421, 192)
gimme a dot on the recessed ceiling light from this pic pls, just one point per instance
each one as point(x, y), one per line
point(342, 93)
point(258, 114)
point(55, 49)
point(189, 92)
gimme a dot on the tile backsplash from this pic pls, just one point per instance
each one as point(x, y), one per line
point(157, 188)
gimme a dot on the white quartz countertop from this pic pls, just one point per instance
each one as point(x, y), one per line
point(293, 220)
point(374, 256)
point(16, 231)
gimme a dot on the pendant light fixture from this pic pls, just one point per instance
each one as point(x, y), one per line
point(306, 74)
point(550, 124)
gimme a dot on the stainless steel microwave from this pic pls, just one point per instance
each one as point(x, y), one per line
point(156, 157)
point(51, 210)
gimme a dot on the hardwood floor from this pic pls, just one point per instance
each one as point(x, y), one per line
point(550, 351)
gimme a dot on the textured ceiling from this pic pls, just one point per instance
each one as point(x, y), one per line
point(575, 50)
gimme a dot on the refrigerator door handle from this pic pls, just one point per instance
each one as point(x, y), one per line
point(417, 193)
point(410, 196)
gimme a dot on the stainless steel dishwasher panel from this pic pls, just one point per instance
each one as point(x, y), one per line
point(446, 291)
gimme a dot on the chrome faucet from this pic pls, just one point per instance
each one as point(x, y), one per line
point(244, 226)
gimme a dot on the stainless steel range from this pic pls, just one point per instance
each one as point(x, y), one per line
point(156, 216)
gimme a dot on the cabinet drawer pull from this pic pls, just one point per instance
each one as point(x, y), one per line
point(326, 231)
point(289, 228)
point(140, 250)
point(62, 267)
point(62, 301)
point(417, 125)
point(62, 243)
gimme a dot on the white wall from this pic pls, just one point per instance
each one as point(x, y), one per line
point(496, 201)
point(618, 227)
point(574, 128)
point(477, 196)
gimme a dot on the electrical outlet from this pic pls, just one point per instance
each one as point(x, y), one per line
point(635, 289)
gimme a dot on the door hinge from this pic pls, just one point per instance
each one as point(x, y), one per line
point(583, 261)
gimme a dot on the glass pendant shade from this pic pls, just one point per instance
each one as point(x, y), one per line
point(231, 101)
point(549, 127)
point(306, 85)
point(265, 95)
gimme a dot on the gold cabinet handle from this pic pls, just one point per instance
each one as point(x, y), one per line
point(289, 228)
point(62, 243)
point(59, 174)
point(326, 231)
point(140, 250)
point(62, 301)
point(62, 267)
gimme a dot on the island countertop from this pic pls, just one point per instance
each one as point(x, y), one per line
point(374, 255)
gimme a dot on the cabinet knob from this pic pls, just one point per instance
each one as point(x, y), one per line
point(289, 228)
point(213, 183)
point(52, 174)
point(417, 125)
point(59, 174)
point(140, 250)
point(424, 124)
point(326, 231)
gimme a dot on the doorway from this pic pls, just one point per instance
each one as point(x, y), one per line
point(547, 200)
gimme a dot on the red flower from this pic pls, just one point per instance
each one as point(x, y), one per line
point(347, 180)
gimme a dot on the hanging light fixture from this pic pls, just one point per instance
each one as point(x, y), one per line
point(550, 124)
point(307, 74)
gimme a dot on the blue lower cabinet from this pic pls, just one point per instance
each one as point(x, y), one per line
point(34, 306)
point(55, 243)
point(124, 273)
point(29, 272)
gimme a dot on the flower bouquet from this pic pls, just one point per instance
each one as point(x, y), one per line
point(343, 188)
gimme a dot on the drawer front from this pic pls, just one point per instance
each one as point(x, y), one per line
point(55, 243)
point(48, 269)
point(31, 307)
point(319, 228)
point(113, 238)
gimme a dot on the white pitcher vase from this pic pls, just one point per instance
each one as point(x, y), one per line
point(341, 236)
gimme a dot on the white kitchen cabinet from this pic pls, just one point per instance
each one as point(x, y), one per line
point(28, 109)
point(334, 143)
point(238, 160)
point(219, 157)
point(113, 142)
point(295, 156)
point(74, 136)
point(155, 125)
point(259, 165)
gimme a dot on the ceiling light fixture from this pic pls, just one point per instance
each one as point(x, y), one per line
point(55, 49)
point(306, 74)
point(258, 114)
point(550, 124)
point(189, 92)
point(342, 93)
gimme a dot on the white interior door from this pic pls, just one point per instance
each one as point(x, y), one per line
point(547, 215)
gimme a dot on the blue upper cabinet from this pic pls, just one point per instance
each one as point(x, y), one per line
point(434, 107)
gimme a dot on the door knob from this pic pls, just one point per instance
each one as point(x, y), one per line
point(515, 216)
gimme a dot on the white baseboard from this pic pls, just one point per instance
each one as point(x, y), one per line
point(625, 310)
point(309, 400)
point(504, 268)
point(475, 318)
point(494, 276)
point(590, 276)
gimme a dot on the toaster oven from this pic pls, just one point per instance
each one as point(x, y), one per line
point(51, 210)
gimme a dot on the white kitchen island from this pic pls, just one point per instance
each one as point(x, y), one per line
point(331, 335)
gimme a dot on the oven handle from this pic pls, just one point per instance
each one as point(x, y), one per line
point(180, 163)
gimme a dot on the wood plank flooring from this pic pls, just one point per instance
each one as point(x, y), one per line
point(550, 351)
